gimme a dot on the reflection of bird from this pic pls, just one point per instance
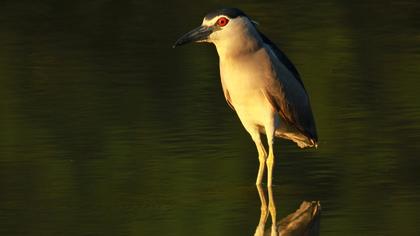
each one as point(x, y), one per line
point(305, 221)
point(259, 83)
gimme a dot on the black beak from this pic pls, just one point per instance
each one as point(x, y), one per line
point(196, 35)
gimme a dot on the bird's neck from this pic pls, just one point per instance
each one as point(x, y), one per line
point(238, 46)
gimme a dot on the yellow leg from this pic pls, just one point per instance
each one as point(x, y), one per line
point(264, 212)
point(273, 211)
point(262, 155)
point(270, 163)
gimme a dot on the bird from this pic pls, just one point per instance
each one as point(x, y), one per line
point(260, 83)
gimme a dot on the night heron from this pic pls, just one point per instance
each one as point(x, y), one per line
point(259, 82)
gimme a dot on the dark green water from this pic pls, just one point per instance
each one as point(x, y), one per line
point(107, 130)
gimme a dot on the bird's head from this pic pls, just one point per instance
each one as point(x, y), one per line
point(224, 27)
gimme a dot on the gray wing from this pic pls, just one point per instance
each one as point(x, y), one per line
point(287, 93)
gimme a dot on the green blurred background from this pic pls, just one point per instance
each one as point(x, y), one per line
point(107, 130)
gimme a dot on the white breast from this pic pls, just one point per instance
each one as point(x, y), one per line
point(244, 78)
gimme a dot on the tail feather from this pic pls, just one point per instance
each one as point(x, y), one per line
point(301, 140)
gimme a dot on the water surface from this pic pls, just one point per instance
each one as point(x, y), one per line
point(107, 130)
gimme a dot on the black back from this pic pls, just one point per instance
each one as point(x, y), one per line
point(283, 58)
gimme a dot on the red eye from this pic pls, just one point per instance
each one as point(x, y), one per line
point(222, 21)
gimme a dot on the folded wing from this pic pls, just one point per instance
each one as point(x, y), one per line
point(287, 94)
